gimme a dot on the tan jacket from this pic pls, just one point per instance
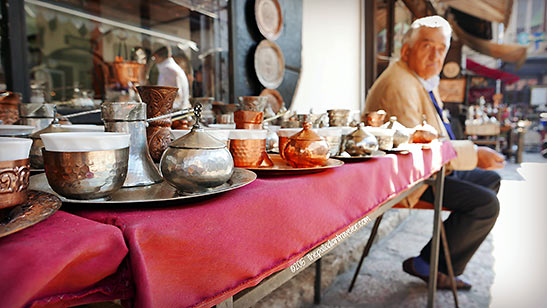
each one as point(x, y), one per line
point(399, 92)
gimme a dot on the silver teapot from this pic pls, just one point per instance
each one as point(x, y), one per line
point(196, 162)
point(360, 142)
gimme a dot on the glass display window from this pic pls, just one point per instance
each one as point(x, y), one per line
point(85, 52)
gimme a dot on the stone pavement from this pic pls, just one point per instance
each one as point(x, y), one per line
point(381, 282)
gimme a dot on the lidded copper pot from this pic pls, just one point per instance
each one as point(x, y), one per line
point(196, 162)
point(306, 149)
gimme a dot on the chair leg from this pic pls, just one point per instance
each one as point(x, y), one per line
point(366, 250)
point(317, 284)
point(448, 260)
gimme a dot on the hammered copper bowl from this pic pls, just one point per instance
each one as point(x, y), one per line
point(86, 175)
point(248, 148)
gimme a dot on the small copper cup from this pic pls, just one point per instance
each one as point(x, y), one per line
point(284, 134)
point(375, 118)
point(248, 148)
point(246, 119)
point(14, 176)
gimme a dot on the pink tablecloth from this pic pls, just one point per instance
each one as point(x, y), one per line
point(203, 253)
point(61, 261)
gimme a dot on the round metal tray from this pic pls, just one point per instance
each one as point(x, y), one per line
point(269, 64)
point(281, 167)
point(161, 192)
point(269, 18)
point(39, 206)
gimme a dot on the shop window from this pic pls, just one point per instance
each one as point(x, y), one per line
point(99, 50)
point(538, 10)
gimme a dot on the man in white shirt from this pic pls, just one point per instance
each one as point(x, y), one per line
point(172, 75)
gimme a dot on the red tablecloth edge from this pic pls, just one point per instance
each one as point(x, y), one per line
point(253, 281)
point(116, 286)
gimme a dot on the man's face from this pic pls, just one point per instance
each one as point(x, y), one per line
point(427, 55)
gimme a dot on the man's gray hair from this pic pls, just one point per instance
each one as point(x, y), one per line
point(431, 22)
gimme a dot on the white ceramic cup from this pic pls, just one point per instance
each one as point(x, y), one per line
point(246, 134)
point(82, 128)
point(85, 141)
point(12, 148)
point(16, 130)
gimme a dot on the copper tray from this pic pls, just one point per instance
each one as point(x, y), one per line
point(39, 206)
point(281, 167)
point(354, 159)
point(275, 100)
point(269, 64)
point(269, 18)
point(157, 193)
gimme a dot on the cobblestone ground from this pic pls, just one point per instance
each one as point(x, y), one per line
point(382, 283)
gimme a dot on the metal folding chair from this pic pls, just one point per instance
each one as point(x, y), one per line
point(421, 205)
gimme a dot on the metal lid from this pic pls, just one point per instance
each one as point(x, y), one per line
point(197, 138)
point(123, 111)
point(360, 132)
point(307, 134)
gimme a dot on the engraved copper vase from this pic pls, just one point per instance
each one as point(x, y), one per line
point(159, 101)
point(9, 107)
point(306, 149)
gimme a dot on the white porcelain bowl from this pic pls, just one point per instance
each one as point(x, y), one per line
point(84, 141)
point(12, 148)
point(329, 131)
point(288, 132)
point(221, 126)
point(83, 128)
point(244, 134)
point(16, 130)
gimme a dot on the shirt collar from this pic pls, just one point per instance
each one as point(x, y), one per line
point(429, 84)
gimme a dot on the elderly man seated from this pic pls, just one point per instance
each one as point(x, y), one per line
point(408, 89)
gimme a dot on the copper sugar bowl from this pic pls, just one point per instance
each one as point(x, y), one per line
point(306, 149)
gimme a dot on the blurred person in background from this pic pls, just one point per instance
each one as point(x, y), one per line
point(172, 75)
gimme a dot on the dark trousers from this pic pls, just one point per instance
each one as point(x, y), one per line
point(471, 195)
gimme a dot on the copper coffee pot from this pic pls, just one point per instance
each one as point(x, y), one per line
point(306, 149)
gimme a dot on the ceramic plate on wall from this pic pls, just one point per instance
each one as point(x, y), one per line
point(269, 18)
point(275, 100)
point(269, 64)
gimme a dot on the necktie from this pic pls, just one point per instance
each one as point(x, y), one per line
point(440, 112)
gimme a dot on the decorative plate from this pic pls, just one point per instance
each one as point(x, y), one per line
point(269, 64)
point(269, 18)
point(275, 100)
point(281, 167)
point(154, 194)
point(451, 69)
point(39, 206)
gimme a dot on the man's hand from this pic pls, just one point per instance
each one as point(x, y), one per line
point(489, 159)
